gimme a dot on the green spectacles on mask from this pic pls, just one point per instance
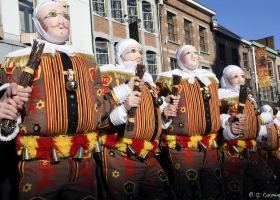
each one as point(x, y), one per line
point(189, 52)
point(54, 14)
point(236, 76)
point(134, 51)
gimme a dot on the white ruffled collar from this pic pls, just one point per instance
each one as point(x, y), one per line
point(116, 67)
point(202, 74)
point(52, 48)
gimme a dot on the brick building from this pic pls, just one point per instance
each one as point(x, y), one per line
point(186, 22)
point(268, 95)
point(163, 26)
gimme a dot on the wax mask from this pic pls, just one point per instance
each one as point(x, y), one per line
point(132, 53)
point(55, 21)
point(189, 58)
point(236, 78)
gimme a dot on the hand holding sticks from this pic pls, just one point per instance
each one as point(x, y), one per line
point(176, 81)
point(243, 94)
point(7, 126)
point(140, 70)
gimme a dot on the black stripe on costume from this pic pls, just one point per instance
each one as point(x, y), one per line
point(207, 110)
point(72, 104)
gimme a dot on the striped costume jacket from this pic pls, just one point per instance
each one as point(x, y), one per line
point(195, 116)
point(148, 123)
point(55, 117)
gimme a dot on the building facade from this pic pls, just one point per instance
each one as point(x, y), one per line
point(268, 95)
point(163, 26)
point(184, 22)
point(96, 25)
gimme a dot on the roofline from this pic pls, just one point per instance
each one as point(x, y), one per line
point(267, 48)
point(199, 6)
point(219, 29)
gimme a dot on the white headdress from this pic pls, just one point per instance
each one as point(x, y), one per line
point(40, 30)
point(193, 73)
point(121, 47)
point(224, 80)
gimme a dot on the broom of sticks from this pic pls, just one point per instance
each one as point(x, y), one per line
point(140, 70)
point(7, 126)
point(176, 79)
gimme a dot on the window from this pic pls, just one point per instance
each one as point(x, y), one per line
point(222, 50)
point(171, 26)
point(202, 39)
point(132, 11)
point(98, 6)
point(148, 17)
point(102, 54)
point(173, 63)
point(187, 29)
point(270, 69)
point(245, 60)
point(234, 54)
point(152, 63)
point(272, 93)
point(116, 7)
point(25, 14)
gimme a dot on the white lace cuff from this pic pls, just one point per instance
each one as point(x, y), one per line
point(165, 124)
point(119, 115)
point(228, 135)
point(163, 105)
point(263, 131)
point(13, 134)
point(265, 117)
point(121, 92)
point(224, 120)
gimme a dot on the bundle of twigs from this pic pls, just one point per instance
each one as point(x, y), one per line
point(276, 108)
point(32, 64)
point(176, 81)
point(243, 94)
point(140, 70)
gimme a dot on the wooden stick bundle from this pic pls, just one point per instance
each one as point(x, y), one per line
point(243, 94)
point(140, 70)
point(32, 64)
point(176, 81)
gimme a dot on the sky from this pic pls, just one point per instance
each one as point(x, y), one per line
point(249, 19)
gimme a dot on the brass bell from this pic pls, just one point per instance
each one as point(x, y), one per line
point(266, 155)
point(98, 147)
point(234, 149)
point(80, 153)
point(248, 153)
point(258, 111)
point(24, 154)
point(215, 144)
point(159, 101)
point(146, 155)
point(72, 85)
point(254, 149)
point(158, 151)
point(55, 157)
point(131, 150)
point(207, 96)
point(203, 146)
point(179, 146)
